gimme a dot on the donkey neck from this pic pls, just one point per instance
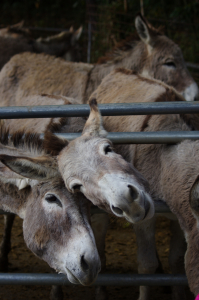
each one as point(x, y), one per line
point(179, 169)
point(133, 59)
point(174, 168)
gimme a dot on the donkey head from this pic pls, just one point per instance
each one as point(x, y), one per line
point(163, 60)
point(15, 31)
point(89, 165)
point(63, 44)
point(55, 223)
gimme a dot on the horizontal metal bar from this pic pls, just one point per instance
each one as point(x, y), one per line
point(161, 207)
point(192, 65)
point(50, 29)
point(159, 137)
point(118, 109)
point(2, 212)
point(103, 279)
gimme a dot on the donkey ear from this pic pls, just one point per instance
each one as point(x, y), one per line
point(71, 29)
point(40, 168)
point(8, 176)
point(18, 25)
point(94, 125)
point(194, 197)
point(144, 30)
point(77, 33)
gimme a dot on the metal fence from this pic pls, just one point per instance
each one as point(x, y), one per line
point(122, 138)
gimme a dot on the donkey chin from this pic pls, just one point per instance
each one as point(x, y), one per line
point(127, 199)
point(77, 275)
point(82, 279)
point(81, 262)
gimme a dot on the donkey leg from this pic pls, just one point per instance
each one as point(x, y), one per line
point(178, 248)
point(99, 223)
point(146, 252)
point(6, 242)
point(56, 293)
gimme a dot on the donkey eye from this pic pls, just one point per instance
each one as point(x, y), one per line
point(50, 198)
point(77, 187)
point(107, 149)
point(170, 64)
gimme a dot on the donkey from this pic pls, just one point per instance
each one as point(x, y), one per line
point(15, 31)
point(56, 224)
point(17, 39)
point(172, 171)
point(154, 55)
point(89, 164)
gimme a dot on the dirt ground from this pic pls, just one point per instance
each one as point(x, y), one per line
point(121, 258)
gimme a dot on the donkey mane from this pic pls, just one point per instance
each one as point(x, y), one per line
point(32, 142)
point(28, 141)
point(171, 95)
point(119, 50)
point(23, 31)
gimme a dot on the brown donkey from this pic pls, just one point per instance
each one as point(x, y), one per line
point(154, 55)
point(17, 39)
point(56, 224)
point(172, 172)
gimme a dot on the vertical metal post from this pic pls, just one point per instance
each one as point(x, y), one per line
point(89, 43)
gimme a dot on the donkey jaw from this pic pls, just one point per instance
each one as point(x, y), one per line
point(71, 277)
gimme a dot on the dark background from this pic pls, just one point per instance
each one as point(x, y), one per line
point(111, 21)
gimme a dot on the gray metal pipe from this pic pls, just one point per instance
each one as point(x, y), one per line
point(159, 137)
point(44, 111)
point(192, 65)
point(103, 279)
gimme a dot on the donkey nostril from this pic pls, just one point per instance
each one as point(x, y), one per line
point(84, 264)
point(133, 192)
point(117, 210)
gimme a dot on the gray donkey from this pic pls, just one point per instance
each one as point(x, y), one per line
point(172, 172)
point(87, 164)
point(154, 55)
point(56, 224)
point(16, 39)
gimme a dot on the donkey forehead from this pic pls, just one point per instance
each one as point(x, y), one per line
point(88, 155)
point(164, 46)
point(83, 144)
point(56, 187)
